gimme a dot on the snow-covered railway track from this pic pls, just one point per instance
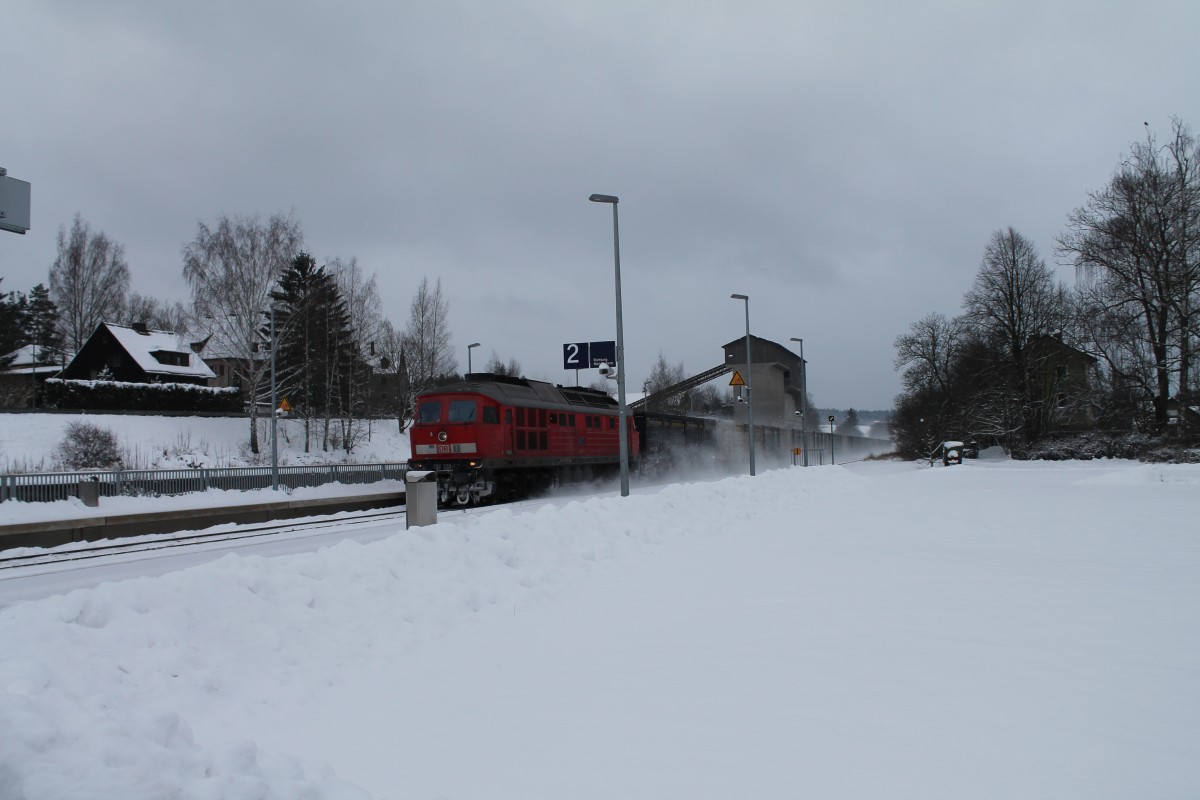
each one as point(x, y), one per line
point(151, 547)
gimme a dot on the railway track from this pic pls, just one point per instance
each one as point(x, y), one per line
point(149, 546)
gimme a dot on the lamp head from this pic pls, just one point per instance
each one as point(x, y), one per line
point(603, 198)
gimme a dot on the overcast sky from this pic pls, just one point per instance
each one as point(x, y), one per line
point(842, 163)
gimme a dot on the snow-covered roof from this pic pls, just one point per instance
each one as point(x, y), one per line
point(26, 362)
point(160, 352)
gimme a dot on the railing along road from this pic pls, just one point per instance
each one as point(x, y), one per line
point(50, 486)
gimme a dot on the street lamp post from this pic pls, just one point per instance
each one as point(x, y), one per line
point(622, 412)
point(470, 347)
point(803, 401)
point(749, 381)
point(274, 411)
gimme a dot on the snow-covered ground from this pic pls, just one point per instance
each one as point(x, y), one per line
point(994, 630)
point(29, 442)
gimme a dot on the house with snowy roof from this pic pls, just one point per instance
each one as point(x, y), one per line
point(137, 354)
point(25, 370)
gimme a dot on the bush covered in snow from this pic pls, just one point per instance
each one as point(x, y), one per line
point(88, 446)
point(120, 396)
point(1098, 444)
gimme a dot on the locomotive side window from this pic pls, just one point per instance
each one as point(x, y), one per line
point(462, 411)
point(542, 418)
point(429, 412)
point(508, 416)
point(612, 423)
point(520, 416)
point(491, 415)
point(572, 420)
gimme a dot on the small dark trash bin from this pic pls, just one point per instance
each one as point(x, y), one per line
point(89, 491)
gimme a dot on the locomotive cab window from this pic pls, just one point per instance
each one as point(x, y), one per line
point(429, 412)
point(491, 415)
point(462, 411)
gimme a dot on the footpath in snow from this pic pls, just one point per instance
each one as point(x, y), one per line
point(994, 630)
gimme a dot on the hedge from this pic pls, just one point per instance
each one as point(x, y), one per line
point(121, 396)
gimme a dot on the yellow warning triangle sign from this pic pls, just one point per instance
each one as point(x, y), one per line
point(736, 380)
point(285, 406)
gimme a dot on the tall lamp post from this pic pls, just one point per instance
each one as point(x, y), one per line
point(274, 410)
point(803, 401)
point(470, 347)
point(749, 381)
point(622, 413)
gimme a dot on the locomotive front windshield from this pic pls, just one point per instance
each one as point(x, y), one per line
point(462, 410)
point(429, 412)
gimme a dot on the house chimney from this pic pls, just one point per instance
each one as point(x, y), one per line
point(140, 327)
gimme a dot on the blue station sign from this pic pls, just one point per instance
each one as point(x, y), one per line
point(588, 355)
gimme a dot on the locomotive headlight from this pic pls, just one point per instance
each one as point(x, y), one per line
point(442, 436)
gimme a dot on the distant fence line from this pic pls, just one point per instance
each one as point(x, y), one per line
point(50, 486)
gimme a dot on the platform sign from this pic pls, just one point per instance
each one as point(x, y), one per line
point(603, 353)
point(589, 355)
point(575, 355)
point(14, 204)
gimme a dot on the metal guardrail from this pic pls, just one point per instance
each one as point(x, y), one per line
point(50, 486)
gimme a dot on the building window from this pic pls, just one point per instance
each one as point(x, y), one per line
point(170, 358)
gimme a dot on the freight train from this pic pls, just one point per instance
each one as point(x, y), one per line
point(492, 438)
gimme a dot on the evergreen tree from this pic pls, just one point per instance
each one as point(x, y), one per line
point(849, 426)
point(42, 326)
point(12, 326)
point(315, 357)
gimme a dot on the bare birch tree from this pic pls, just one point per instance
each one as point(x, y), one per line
point(88, 281)
point(156, 314)
point(928, 354)
point(390, 349)
point(231, 269)
point(1015, 298)
point(1137, 244)
point(663, 376)
point(361, 296)
point(427, 347)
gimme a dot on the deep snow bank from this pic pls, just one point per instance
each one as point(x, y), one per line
point(96, 687)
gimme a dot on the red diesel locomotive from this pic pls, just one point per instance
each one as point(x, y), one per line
point(492, 438)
